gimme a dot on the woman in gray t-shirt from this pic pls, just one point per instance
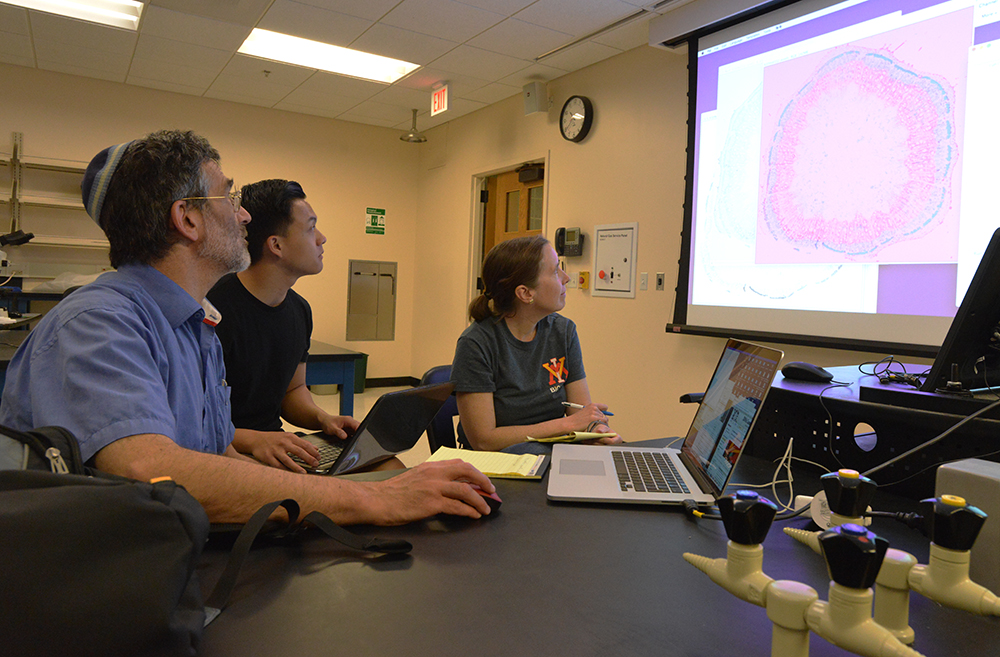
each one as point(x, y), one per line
point(520, 360)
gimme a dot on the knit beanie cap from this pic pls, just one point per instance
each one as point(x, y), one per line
point(98, 176)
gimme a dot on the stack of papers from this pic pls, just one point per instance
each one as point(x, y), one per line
point(497, 464)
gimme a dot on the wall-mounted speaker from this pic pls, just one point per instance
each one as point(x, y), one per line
point(535, 98)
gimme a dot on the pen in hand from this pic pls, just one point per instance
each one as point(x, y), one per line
point(578, 406)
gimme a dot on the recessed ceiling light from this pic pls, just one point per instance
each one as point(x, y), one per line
point(116, 13)
point(323, 56)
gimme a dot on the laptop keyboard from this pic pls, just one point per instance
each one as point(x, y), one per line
point(647, 472)
point(328, 453)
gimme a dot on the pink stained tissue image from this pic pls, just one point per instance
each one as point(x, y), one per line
point(860, 148)
point(886, 175)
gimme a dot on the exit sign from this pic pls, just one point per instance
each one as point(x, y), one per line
point(439, 101)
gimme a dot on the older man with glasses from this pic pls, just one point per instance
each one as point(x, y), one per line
point(132, 366)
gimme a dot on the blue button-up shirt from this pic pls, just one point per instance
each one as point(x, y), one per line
point(127, 354)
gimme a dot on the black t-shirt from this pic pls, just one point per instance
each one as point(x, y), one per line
point(262, 347)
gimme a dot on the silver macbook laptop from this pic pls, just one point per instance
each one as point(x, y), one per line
point(393, 425)
point(701, 468)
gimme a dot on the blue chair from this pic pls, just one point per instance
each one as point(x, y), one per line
point(441, 432)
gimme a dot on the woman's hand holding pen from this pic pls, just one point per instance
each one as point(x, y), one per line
point(592, 417)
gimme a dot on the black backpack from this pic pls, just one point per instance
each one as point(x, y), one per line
point(94, 564)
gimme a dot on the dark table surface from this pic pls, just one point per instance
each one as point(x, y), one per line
point(544, 578)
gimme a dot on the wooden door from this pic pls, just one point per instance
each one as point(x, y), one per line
point(513, 209)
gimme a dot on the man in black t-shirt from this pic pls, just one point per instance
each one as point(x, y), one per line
point(266, 328)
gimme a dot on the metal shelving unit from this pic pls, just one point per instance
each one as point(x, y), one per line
point(43, 199)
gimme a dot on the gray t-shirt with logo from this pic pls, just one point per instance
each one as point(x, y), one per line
point(527, 379)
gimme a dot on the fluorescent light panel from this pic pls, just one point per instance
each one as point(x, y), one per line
point(116, 13)
point(323, 56)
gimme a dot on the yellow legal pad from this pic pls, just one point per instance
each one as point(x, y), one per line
point(497, 464)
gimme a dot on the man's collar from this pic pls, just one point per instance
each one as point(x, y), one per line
point(175, 303)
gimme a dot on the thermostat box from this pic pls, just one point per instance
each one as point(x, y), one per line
point(978, 481)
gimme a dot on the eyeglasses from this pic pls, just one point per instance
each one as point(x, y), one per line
point(235, 197)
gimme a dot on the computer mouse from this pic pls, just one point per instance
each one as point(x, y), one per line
point(492, 499)
point(799, 371)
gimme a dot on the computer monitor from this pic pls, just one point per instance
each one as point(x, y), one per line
point(972, 346)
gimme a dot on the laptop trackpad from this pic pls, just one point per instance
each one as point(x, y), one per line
point(581, 467)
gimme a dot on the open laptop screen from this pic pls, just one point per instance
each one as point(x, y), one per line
point(726, 414)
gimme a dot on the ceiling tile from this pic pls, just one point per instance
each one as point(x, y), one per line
point(459, 107)
point(265, 71)
point(505, 7)
point(405, 97)
point(391, 114)
point(367, 119)
point(578, 17)
point(72, 69)
point(402, 44)
point(50, 29)
point(516, 38)
point(266, 91)
point(308, 22)
point(493, 93)
point(113, 64)
point(149, 69)
point(327, 112)
point(369, 9)
point(239, 96)
point(580, 56)
point(186, 28)
point(430, 78)
point(182, 54)
point(328, 84)
point(442, 18)
point(17, 60)
point(14, 20)
point(324, 104)
point(467, 60)
point(242, 12)
point(629, 36)
point(16, 49)
point(163, 86)
point(534, 73)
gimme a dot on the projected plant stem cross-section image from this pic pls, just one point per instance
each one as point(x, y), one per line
point(862, 157)
point(843, 175)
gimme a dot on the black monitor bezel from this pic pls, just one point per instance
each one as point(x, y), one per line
point(970, 337)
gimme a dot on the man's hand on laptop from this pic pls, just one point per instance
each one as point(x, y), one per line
point(432, 488)
point(275, 448)
point(339, 426)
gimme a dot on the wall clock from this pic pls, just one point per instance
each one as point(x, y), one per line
point(576, 119)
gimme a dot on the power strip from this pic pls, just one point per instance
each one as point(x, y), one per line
point(819, 510)
point(978, 481)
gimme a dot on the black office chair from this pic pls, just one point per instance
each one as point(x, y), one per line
point(441, 432)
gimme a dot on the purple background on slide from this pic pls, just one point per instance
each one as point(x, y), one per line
point(917, 290)
point(990, 32)
point(708, 66)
